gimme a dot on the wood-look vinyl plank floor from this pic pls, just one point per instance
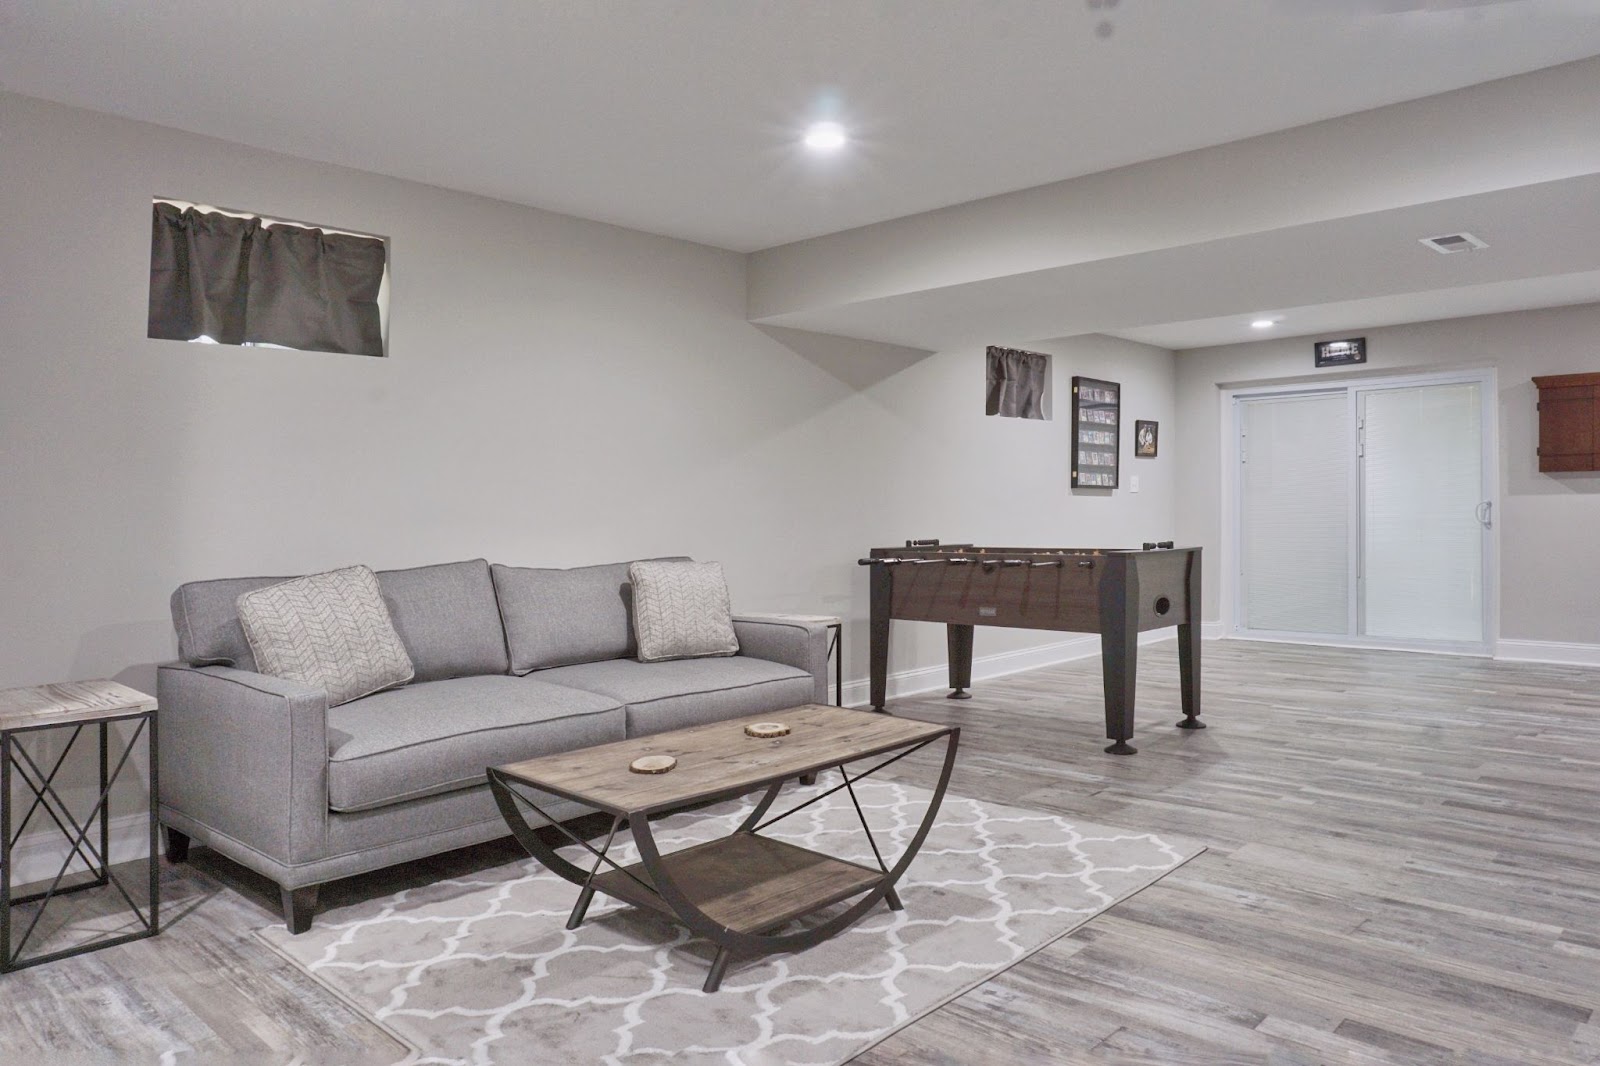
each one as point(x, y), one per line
point(1403, 862)
point(1404, 867)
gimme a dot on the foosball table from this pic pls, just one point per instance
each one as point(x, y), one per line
point(1117, 593)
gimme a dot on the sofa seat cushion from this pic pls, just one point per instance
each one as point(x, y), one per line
point(685, 692)
point(437, 736)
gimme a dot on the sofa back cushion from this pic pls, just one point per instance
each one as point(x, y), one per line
point(447, 618)
point(446, 615)
point(207, 621)
point(563, 617)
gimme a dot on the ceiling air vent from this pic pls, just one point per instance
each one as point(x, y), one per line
point(1453, 242)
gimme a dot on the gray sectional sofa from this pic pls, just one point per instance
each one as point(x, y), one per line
point(510, 663)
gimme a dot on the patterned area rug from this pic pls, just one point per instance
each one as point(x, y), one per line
point(482, 969)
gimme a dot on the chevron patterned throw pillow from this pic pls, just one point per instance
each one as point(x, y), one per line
point(331, 631)
point(680, 610)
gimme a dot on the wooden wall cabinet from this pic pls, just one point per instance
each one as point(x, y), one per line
point(1569, 422)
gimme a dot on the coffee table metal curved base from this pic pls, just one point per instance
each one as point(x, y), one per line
point(738, 891)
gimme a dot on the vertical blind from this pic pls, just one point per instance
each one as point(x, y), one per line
point(1422, 485)
point(241, 281)
point(1295, 502)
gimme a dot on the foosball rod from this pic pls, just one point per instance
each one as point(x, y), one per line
point(961, 560)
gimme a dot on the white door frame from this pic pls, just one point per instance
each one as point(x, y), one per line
point(1233, 499)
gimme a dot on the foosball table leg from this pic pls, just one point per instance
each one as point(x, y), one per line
point(959, 642)
point(878, 635)
point(1189, 676)
point(1119, 652)
point(1189, 650)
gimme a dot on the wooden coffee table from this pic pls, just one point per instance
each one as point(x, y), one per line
point(740, 890)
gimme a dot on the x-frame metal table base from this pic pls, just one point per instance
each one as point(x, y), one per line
point(14, 759)
point(660, 885)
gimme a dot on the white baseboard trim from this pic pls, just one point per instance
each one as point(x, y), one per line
point(1470, 651)
point(987, 667)
point(37, 855)
point(1548, 651)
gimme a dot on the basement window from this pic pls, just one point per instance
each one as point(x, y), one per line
point(1016, 383)
point(226, 277)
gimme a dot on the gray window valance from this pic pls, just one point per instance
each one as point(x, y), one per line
point(1016, 382)
point(240, 281)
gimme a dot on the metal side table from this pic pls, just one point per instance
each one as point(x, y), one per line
point(72, 705)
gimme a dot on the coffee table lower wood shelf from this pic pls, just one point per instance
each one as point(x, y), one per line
point(738, 891)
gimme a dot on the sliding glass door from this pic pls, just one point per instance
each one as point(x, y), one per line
point(1365, 514)
point(1294, 470)
point(1423, 513)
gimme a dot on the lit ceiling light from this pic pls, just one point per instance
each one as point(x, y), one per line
point(1264, 323)
point(825, 137)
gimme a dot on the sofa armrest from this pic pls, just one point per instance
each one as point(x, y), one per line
point(793, 641)
point(245, 755)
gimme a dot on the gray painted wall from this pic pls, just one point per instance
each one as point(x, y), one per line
point(558, 392)
point(1549, 568)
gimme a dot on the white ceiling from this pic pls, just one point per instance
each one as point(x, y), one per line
point(680, 116)
point(1496, 297)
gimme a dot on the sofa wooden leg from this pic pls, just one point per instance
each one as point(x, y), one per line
point(177, 844)
point(808, 779)
point(299, 904)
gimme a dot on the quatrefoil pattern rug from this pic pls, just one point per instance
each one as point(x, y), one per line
point(482, 969)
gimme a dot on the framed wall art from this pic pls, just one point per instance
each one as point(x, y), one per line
point(1340, 353)
point(1145, 434)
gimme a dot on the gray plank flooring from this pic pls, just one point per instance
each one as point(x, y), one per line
point(1404, 867)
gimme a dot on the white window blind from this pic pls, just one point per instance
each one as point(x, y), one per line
point(1422, 487)
point(1294, 479)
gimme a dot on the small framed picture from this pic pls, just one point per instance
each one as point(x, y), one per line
point(1144, 438)
point(1340, 353)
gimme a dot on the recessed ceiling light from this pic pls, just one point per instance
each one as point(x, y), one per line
point(1264, 323)
point(825, 137)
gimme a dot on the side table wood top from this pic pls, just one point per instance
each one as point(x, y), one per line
point(69, 701)
point(787, 616)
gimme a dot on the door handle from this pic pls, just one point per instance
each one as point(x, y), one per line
point(1485, 514)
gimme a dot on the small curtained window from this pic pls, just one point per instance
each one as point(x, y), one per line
point(223, 278)
point(1016, 382)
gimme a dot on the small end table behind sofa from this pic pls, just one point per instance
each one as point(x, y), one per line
point(70, 705)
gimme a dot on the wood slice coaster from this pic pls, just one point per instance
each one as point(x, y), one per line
point(652, 764)
point(766, 730)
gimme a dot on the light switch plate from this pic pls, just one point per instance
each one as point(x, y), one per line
point(1133, 483)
